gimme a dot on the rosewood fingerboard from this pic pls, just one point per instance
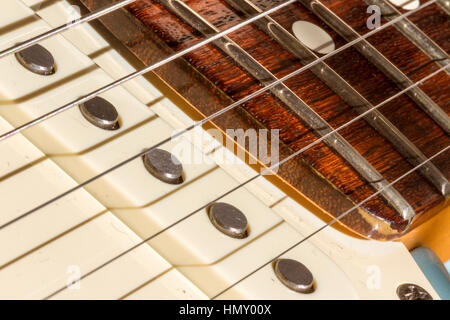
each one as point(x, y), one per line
point(210, 80)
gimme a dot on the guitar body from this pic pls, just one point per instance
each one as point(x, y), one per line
point(87, 215)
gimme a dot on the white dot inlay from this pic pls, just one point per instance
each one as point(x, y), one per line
point(313, 36)
point(406, 4)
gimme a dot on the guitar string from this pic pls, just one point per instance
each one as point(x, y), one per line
point(201, 122)
point(190, 49)
point(331, 222)
point(87, 18)
point(266, 171)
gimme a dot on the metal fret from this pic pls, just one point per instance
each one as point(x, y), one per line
point(381, 62)
point(412, 32)
point(376, 119)
point(301, 109)
point(444, 5)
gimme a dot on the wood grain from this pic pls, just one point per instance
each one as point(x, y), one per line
point(210, 80)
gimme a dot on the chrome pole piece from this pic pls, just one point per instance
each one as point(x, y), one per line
point(294, 275)
point(37, 59)
point(164, 166)
point(229, 220)
point(101, 113)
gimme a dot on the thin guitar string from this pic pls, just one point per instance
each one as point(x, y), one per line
point(331, 222)
point(201, 122)
point(87, 18)
point(267, 170)
point(179, 54)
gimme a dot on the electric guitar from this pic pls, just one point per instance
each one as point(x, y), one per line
point(224, 149)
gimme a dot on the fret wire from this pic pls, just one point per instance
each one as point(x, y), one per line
point(194, 47)
point(89, 17)
point(265, 171)
point(331, 222)
point(213, 116)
